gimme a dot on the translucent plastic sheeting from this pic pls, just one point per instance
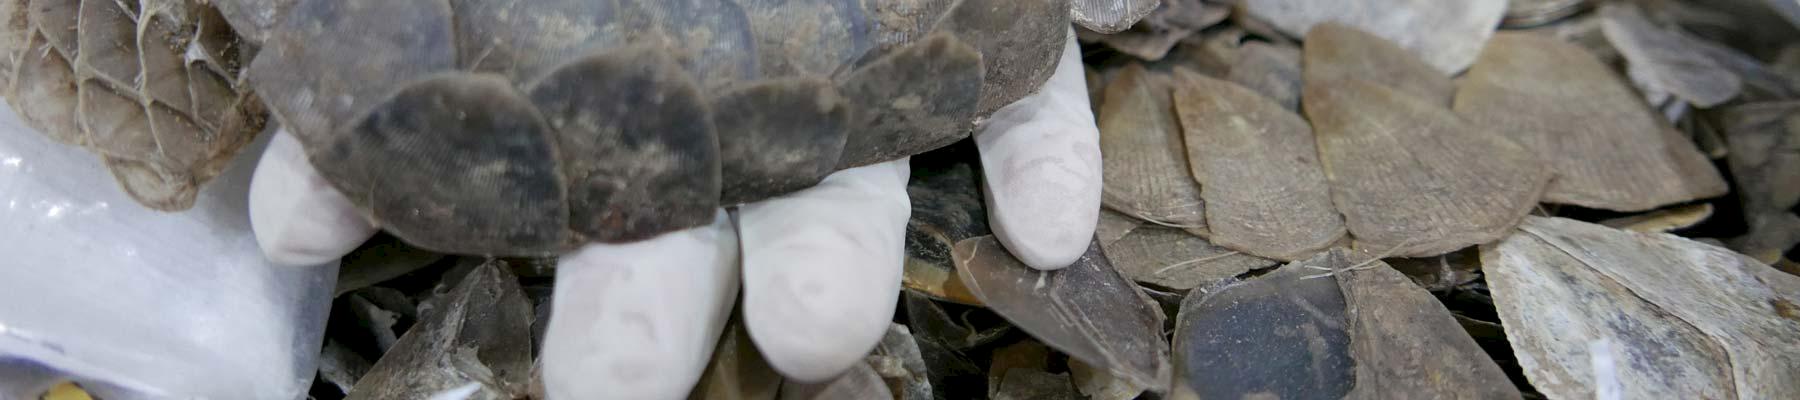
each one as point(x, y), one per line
point(133, 303)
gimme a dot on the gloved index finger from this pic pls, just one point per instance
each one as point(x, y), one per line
point(639, 320)
point(821, 269)
point(1041, 160)
point(298, 218)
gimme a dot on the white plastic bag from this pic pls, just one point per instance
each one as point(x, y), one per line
point(134, 303)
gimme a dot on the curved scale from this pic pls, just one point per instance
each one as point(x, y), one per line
point(778, 136)
point(1111, 16)
point(454, 163)
point(918, 98)
point(1336, 51)
point(809, 37)
point(1380, 148)
point(253, 19)
point(44, 93)
point(523, 39)
point(63, 13)
point(1020, 42)
point(164, 74)
point(637, 148)
point(104, 25)
point(116, 123)
point(710, 39)
point(900, 22)
point(330, 61)
point(162, 123)
point(643, 115)
point(151, 185)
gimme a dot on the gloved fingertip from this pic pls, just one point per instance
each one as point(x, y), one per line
point(1043, 249)
point(1044, 220)
point(822, 270)
point(639, 320)
point(1041, 160)
point(813, 362)
point(816, 308)
point(297, 217)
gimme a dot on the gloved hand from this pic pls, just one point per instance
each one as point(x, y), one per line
point(820, 268)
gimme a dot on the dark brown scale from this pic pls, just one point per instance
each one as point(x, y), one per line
point(630, 173)
point(528, 127)
point(430, 155)
point(774, 153)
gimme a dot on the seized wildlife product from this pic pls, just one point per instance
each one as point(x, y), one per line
point(946, 339)
point(1087, 310)
point(1765, 160)
point(1277, 335)
point(1026, 384)
point(1663, 220)
point(1411, 178)
point(525, 128)
point(151, 87)
point(1328, 328)
point(1336, 51)
point(1162, 29)
point(946, 208)
point(1026, 354)
point(1528, 13)
point(1259, 171)
point(1172, 259)
point(1113, 226)
point(1666, 59)
point(1099, 385)
point(1270, 69)
point(1146, 170)
point(1441, 273)
point(901, 364)
point(1675, 318)
point(1608, 149)
point(1110, 16)
point(482, 334)
point(1447, 34)
point(630, 121)
point(1406, 344)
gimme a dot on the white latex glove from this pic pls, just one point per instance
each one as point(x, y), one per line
point(820, 267)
